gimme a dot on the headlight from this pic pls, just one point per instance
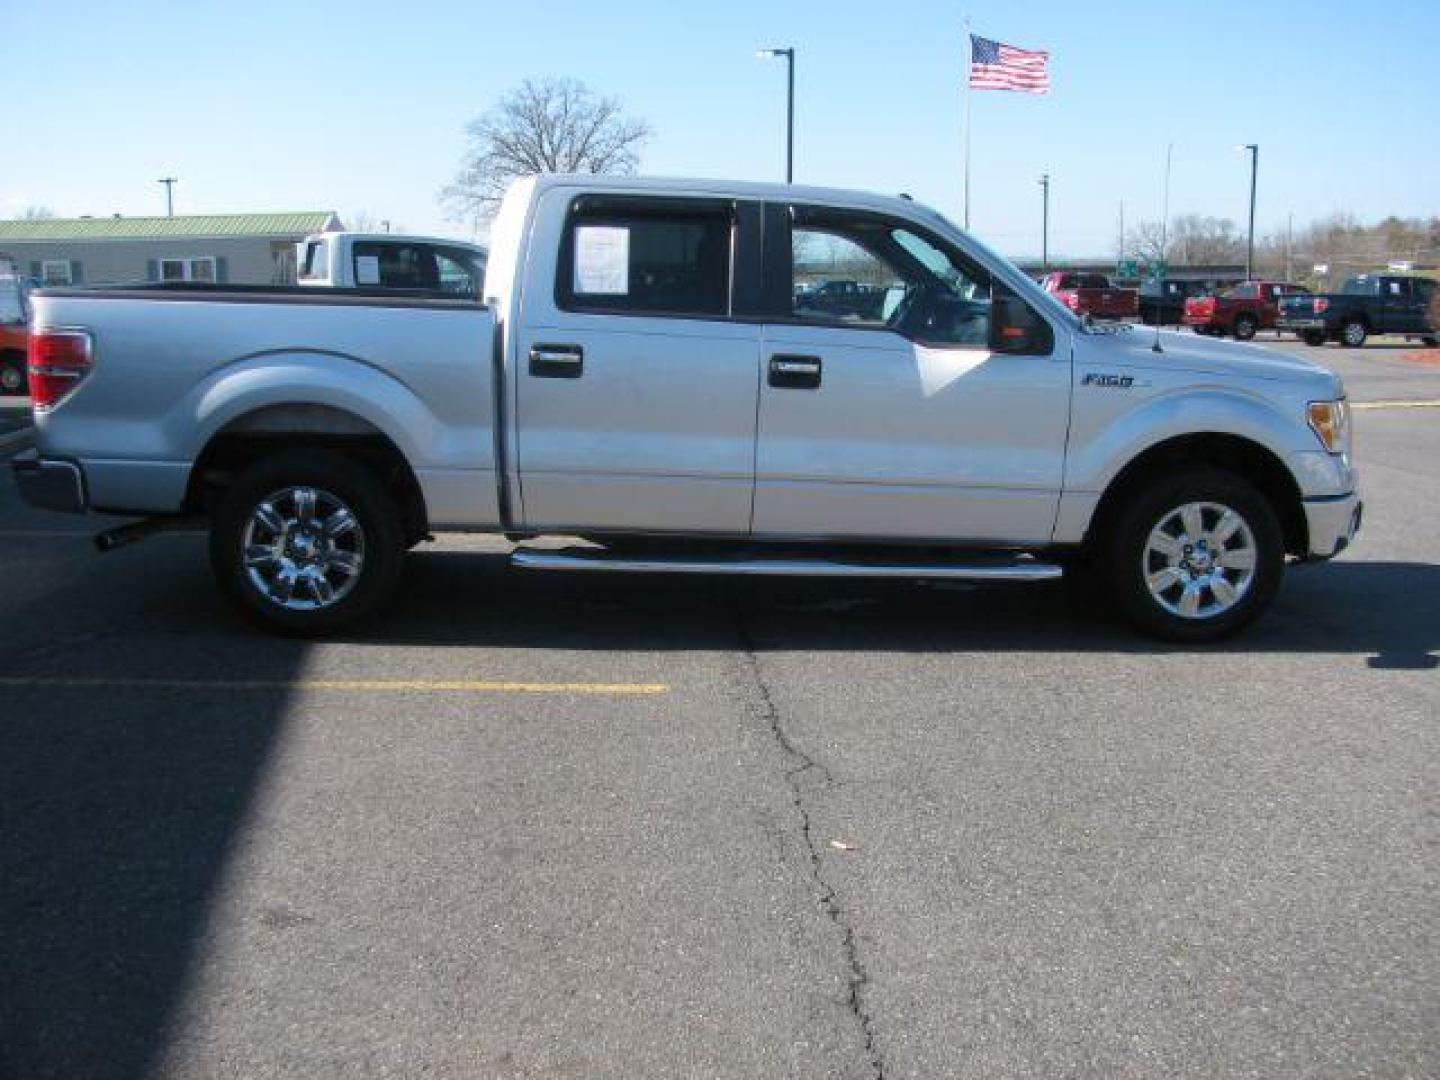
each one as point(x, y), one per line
point(1330, 420)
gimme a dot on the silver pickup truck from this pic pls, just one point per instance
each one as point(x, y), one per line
point(657, 369)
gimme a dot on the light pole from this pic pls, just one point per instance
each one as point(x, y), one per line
point(1044, 183)
point(169, 182)
point(789, 55)
point(1254, 149)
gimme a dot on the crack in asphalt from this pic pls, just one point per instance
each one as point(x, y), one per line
point(857, 978)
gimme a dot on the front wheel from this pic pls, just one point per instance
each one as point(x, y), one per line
point(1313, 337)
point(306, 544)
point(1195, 556)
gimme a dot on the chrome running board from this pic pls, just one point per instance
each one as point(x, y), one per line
point(1021, 568)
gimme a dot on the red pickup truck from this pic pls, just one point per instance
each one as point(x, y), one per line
point(1092, 294)
point(1248, 307)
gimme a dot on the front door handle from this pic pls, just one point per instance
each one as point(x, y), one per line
point(557, 361)
point(789, 372)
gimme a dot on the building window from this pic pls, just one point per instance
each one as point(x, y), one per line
point(56, 272)
point(201, 268)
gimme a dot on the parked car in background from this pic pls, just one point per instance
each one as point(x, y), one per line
point(1091, 294)
point(346, 260)
point(1242, 311)
point(842, 299)
point(14, 333)
point(1365, 305)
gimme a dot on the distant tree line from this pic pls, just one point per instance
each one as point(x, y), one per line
point(1339, 241)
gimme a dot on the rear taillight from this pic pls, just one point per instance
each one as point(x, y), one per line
point(1320, 305)
point(59, 359)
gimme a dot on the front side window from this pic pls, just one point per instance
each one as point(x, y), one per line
point(867, 272)
point(460, 273)
point(665, 260)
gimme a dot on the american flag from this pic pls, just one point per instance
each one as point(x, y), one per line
point(997, 66)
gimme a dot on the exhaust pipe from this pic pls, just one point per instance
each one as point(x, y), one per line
point(132, 531)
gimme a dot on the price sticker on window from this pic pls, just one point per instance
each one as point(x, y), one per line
point(602, 260)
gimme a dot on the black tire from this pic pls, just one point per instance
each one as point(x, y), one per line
point(1430, 341)
point(1128, 560)
point(1353, 333)
point(14, 381)
point(342, 481)
point(1245, 327)
point(1313, 337)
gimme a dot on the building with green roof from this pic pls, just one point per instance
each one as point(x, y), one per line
point(252, 249)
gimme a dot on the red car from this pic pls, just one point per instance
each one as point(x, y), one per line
point(13, 331)
point(1092, 294)
point(1248, 307)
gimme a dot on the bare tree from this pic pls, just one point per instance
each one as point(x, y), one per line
point(542, 126)
point(362, 221)
point(1146, 241)
point(37, 213)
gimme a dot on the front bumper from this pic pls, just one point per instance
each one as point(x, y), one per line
point(1332, 523)
point(49, 483)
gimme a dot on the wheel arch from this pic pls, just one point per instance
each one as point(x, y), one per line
point(277, 427)
point(1242, 456)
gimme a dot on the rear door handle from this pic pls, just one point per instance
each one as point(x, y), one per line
point(557, 361)
point(789, 372)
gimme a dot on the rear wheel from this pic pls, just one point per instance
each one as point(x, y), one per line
point(1430, 341)
point(1313, 337)
point(12, 375)
point(1245, 327)
point(1195, 556)
point(1353, 333)
point(306, 544)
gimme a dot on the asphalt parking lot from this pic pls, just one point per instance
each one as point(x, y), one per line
point(648, 827)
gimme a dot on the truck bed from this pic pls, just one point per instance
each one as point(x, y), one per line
point(174, 364)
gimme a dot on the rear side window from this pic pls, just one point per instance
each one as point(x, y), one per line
point(395, 265)
point(661, 257)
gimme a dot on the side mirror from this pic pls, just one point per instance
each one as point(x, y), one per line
point(1016, 329)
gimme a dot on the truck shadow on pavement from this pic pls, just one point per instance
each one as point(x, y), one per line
point(1387, 611)
point(121, 808)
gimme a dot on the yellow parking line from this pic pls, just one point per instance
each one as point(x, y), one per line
point(379, 686)
point(1395, 405)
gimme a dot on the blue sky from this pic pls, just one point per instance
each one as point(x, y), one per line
point(361, 106)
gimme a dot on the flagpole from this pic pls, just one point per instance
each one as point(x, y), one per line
point(969, 93)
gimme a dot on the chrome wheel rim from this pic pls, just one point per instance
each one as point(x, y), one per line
point(1200, 560)
point(1354, 334)
point(303, 548)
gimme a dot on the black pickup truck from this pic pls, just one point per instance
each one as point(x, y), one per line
point(1365, 305)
